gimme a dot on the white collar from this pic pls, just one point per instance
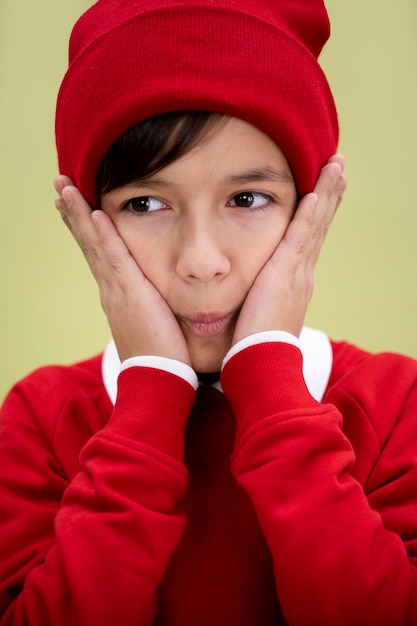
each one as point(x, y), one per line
point(314, 344)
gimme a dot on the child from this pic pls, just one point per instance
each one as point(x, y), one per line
point(219, 464)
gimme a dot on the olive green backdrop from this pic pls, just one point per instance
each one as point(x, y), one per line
point(366, 279)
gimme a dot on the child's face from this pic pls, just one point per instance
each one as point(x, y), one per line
point(202, 228)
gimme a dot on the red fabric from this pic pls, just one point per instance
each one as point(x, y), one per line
point(103, 520)
point(252, 59)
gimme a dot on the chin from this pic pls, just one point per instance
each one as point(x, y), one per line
point(207, 361)
point(206, 367)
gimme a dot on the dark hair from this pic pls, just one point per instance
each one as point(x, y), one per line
point(151, 145)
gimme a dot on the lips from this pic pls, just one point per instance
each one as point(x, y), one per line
point(208, 324)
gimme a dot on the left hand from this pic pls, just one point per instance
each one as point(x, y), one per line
point(279, 296)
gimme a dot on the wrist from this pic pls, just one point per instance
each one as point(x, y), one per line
point(263, 380)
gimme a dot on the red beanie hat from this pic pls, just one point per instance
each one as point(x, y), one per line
point(251, 59)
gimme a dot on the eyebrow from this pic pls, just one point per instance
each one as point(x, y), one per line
point(259, 175)
point(251, 176)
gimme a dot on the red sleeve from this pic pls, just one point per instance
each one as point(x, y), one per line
point(335, 560)
point(92, 551)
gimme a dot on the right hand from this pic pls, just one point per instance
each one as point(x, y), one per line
point(140, 320)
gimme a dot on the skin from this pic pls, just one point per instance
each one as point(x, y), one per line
point(222, 252)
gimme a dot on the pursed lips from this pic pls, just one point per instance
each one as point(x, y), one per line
point(208, 324)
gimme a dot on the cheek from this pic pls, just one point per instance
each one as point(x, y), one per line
point(145, 251)
point(256, 251)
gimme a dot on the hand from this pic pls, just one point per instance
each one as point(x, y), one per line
point(139, 318)
point(279, 297)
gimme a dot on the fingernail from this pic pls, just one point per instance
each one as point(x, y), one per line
point(341, 160)
point(67, 196)
point(314, 200)
point(343, 187)
point(60, 205)
point(336, 171)
point(59, 186)
point(95, 217)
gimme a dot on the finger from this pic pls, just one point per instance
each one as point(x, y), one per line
point(95, 233)
point(297, 239)
point(329, 189)
point(329, 184)
point(114, 249)
point(340, 181)
point(59, 204)
point(338, 158)
point(76, 214)
point(60, 182)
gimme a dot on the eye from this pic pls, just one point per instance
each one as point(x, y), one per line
point(144, 204)
point(250, 200)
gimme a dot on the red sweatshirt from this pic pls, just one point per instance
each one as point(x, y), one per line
point(278, 510)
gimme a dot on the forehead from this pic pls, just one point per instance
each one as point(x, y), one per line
point(240, 150)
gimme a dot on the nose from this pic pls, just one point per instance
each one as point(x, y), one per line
point(203, 250)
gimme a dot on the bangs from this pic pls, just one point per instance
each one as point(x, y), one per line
point(151, 145)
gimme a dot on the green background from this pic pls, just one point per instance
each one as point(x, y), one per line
point(366, 278)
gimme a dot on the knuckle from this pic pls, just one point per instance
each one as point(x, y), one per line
point(321, 229)
point(300, 246)
point(116, 265)
point(90, 251)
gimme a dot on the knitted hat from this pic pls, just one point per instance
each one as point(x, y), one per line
point(251, 59)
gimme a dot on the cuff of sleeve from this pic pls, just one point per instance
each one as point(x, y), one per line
point(152, 407)
point(264, 380)
point(262, 337)
point(178, 368)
